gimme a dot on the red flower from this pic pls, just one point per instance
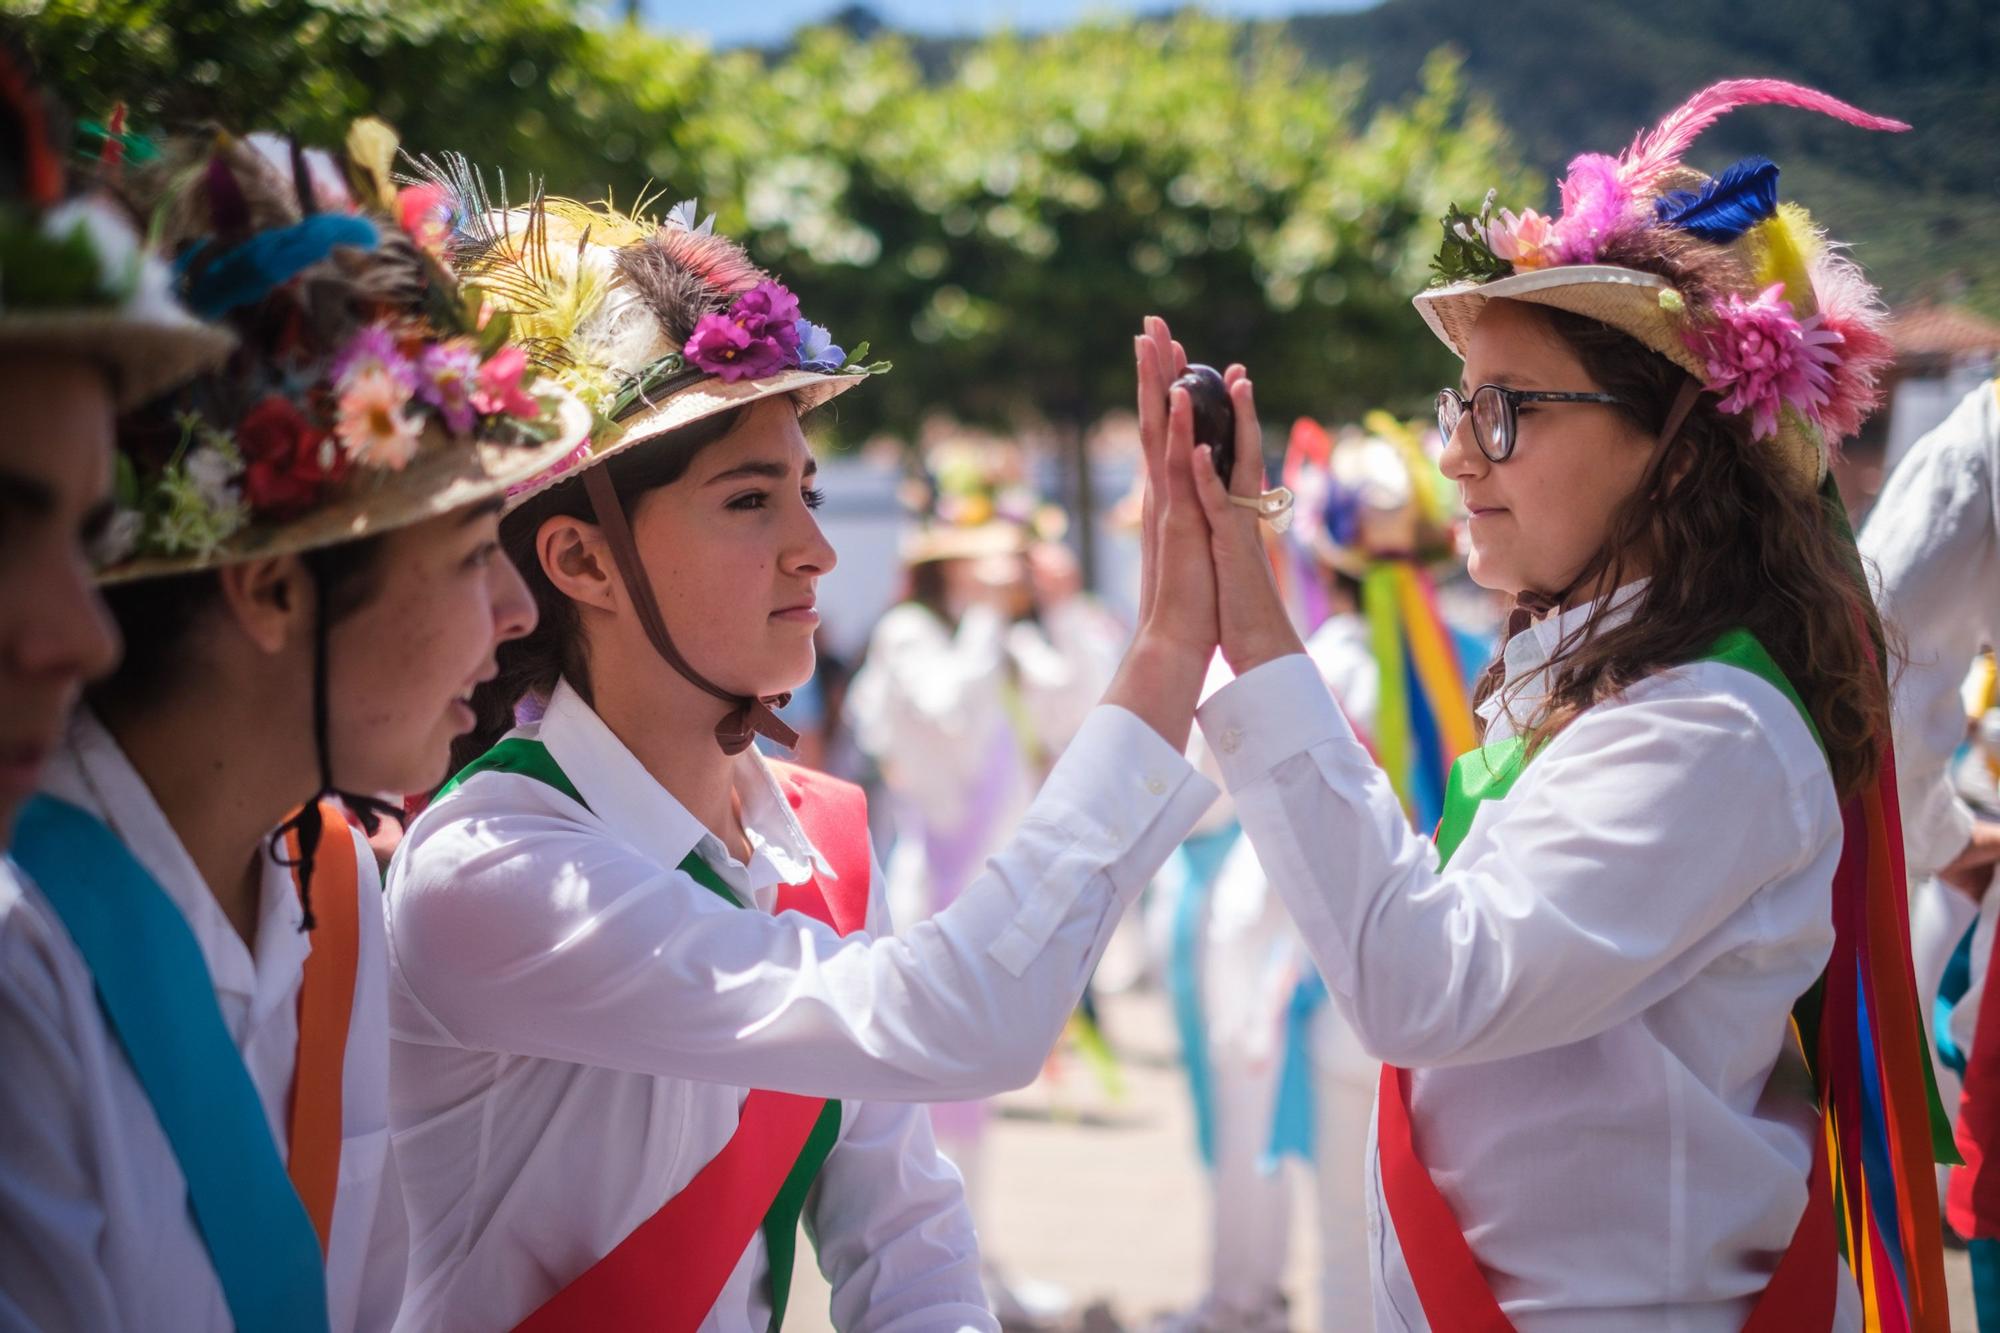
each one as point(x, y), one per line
point(288, 463)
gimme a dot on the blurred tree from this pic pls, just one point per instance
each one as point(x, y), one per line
point(999, 229)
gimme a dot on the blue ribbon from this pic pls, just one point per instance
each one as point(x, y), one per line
point(255, 268)
point(159, 1002)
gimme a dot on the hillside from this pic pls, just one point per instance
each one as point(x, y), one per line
point(1921, 209)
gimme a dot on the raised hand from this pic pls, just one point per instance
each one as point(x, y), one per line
point(1161, 676)
point(1253, 625)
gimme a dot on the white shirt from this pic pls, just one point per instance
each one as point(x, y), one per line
point(577, 1022)
point(1932, 543)
point(95, 1232)
point(1594, 996)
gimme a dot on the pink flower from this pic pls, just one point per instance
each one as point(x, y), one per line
point(372, 349)
point(500, 388)
point(721, 346)
point(1526, 242)
point(424, 213)
point(374, 424)
point(449, 371)
point(1762, 359)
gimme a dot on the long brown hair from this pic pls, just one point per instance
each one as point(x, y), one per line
point(530, 666)
point(1735, 543)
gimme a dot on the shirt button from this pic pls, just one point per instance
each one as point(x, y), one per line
point(1155, 786)
point(1229, 741)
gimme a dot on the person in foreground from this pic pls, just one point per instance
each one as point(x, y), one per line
point(1651, 1043)
point(193, 1007)
point(632, 961)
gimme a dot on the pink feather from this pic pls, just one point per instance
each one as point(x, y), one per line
point(1596, 203)
point(1850, 306)
point(1652, 155)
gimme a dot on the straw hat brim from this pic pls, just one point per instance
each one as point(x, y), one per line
point(703, 399)
point(1625, 299)
point(441, 478)
point(978, 542)
point(145, 356)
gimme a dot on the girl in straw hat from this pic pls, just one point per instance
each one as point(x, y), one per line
point(1652, 1049)
point(646, 1012)
point(309, 584)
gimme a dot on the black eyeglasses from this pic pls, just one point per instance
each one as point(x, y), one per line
point(1494, 413)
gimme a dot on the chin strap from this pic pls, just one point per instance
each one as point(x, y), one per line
point(306, 821)
point(748, 716)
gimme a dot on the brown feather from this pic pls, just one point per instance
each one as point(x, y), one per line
point(682, 275)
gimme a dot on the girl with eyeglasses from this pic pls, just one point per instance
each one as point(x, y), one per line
point(1644, 999)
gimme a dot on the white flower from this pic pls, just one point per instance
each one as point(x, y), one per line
point(213, 473)
point(109, 236)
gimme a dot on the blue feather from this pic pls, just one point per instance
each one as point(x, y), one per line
point(250, 271)
point(1731, 204)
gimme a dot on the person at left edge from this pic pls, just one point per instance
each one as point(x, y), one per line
point(104, 336)
point(210, 1136)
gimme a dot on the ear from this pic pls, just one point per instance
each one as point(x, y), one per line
point(574, 555)
point(270, 601)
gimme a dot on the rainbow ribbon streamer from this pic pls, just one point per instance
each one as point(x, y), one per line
point(1862, 1029)
point(1423, 720)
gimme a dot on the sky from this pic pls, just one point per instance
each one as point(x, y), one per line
point(768, 21)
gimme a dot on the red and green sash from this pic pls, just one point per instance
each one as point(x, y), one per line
point(668, 1273)
point(1872, 1186)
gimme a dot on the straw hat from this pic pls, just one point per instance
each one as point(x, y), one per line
point(370, 392)
point(1366, 494)
point(1740, 291)
point(972, 498)
point(76, 279)
point(654, 323)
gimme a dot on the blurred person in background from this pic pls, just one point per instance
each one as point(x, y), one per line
point(970, 690)
point(1277, 1072)
point(1932, 543)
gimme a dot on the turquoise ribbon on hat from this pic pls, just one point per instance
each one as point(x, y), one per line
point(1193, 868)
point(159, 1002)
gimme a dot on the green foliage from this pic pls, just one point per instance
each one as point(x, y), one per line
point(998, 217)
point(1464, 255)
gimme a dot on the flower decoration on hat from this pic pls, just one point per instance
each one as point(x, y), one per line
point(368, 383)
point(75, 276)
point(653, 322)
point(1742, 291)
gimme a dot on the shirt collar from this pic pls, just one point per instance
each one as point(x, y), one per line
point(91, 771)
point(1525, 658)
point(641, 812)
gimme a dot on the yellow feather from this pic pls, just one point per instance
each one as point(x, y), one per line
point(1782, 249)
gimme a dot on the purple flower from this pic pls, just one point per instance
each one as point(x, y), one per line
point(722, 346)
point(374, 348)
point(769, 310)
point(450, 376)
point(817, 350)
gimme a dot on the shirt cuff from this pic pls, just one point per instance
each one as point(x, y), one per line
point(1939, 831)
point(1264, 717)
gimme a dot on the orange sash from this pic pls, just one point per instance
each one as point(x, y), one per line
point(326, 1004)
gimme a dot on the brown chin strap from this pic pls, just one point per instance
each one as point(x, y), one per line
point(1530, 606)
point(748, 717)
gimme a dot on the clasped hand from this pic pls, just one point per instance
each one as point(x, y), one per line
point(1206, 578)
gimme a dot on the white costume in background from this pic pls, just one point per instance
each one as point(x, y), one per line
point(1932, 544)
point(95, 1231)
point(963, 726)
point(576, 1021)
point(1252, 960)
point(1595, 997)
